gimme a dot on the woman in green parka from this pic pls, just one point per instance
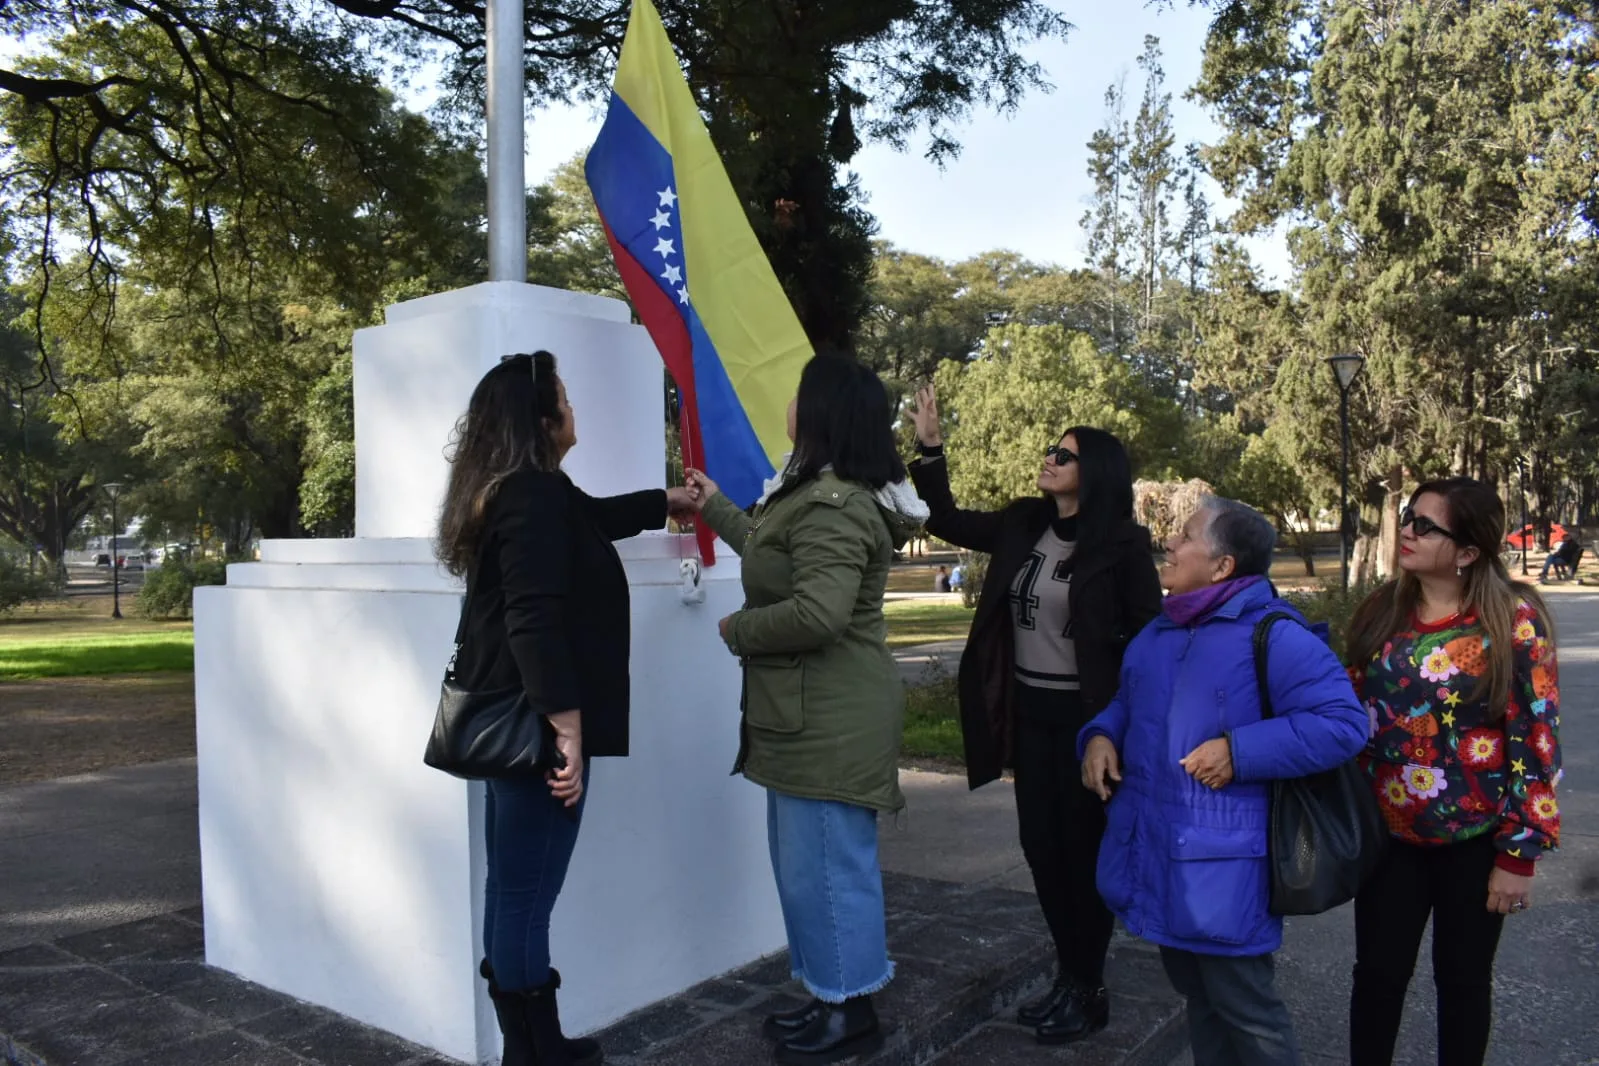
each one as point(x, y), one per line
point(823, 701)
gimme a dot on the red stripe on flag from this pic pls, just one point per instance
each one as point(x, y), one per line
point(659, 313)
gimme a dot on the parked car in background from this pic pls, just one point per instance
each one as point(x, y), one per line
point(1528, 535)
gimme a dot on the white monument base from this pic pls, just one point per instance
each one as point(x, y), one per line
point(336, 866)
point(339, 869)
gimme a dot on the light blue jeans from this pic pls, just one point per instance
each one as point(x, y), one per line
point(824, 857)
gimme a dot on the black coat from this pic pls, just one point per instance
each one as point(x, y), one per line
point(1114, 594)
point(548, 604)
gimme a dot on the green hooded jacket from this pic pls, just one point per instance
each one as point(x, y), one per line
point(823, 701)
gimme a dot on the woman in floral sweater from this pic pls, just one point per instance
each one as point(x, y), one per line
point(1455, 663)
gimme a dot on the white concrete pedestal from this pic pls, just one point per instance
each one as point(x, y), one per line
point(341, 870)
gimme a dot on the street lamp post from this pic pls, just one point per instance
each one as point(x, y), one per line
point(112, 489)
point(1345, 368)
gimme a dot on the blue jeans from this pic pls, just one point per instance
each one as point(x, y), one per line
point(1235, 1016)
point(529, 838)
point(824, 857)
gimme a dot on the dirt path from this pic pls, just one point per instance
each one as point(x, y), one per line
point(64, 726)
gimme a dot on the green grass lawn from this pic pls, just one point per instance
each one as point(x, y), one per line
point(115, 653)
point(923, 622)
point(79, 638)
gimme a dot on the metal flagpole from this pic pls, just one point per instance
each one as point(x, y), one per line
point(507, 183)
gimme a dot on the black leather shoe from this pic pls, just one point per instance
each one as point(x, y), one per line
point(788, 1022)
point(1037, 1011)
point(838, 1031)
point(1081, 1014)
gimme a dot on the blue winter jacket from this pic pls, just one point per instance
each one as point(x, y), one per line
point(1182, 865)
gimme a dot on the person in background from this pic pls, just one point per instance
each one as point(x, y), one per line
point(941, 580)
point(1564, 557)
point(824, 705)
point(1183, 758)
point(957, 578)
point(1071, 580)
point(1456, 665)
point(547, 609)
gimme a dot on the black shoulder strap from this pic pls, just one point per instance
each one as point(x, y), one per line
point(1261, 638)
point(460, 626)
point(466, 607)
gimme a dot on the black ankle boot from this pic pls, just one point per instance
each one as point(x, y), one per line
point(1081, 1013)
point(1035, 1012)
point(530, 1025)
point(788, 1022)
point(838, 1031)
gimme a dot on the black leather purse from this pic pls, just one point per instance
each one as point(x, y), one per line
point(479, 735)
point(1326, 834)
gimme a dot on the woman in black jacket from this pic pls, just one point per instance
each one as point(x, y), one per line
point(547, 609)
point(1071, 580)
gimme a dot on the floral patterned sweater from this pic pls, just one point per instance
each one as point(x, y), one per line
point(1444, 771)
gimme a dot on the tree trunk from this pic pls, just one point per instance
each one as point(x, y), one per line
point(1388, 528)
point(1362, 559)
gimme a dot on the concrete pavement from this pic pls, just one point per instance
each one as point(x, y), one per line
point(93, 851)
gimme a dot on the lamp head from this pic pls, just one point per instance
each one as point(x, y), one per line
point(1346, 368)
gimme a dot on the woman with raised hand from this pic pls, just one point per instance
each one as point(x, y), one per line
point(823, 705)
point(1455, 662)
point(547, 609)
point(1070, 581)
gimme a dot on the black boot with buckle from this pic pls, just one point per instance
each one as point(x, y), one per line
point(530, 1026)
point(1081, 1013)
point(788, 1022)
point(1035, 1012)
point(837, 1031)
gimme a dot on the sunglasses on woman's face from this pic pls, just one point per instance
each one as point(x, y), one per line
point(1060, 453)
point(1424, 526)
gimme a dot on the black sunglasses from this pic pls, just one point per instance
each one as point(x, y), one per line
point(1060, 453)
point(1424, 526)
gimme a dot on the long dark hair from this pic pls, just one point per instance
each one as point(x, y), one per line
point(508, 426)
point(1104, 486)
point(1477, 519)
point(842, 419)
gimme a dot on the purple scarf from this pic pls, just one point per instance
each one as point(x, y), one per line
point(1186, 608)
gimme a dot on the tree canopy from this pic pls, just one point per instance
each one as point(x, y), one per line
point(200, 202)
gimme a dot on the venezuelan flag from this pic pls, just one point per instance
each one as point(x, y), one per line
point(698, 278)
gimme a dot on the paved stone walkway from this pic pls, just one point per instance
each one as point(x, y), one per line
point(139, 994)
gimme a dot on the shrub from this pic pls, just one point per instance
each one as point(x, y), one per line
point(17, 586)
point(1333, 606)
point(169, 591)
point(974, 568)
point(932, 721)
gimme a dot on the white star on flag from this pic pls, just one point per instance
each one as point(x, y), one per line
point(668, 197)
point(661, 220)
point(672, 274)
point(665, 247)
point(682, 295)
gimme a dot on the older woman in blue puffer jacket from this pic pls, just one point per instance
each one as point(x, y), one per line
point(1184, 757)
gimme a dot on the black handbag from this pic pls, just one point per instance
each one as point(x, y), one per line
point(1326, 834)
point(479, 735)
